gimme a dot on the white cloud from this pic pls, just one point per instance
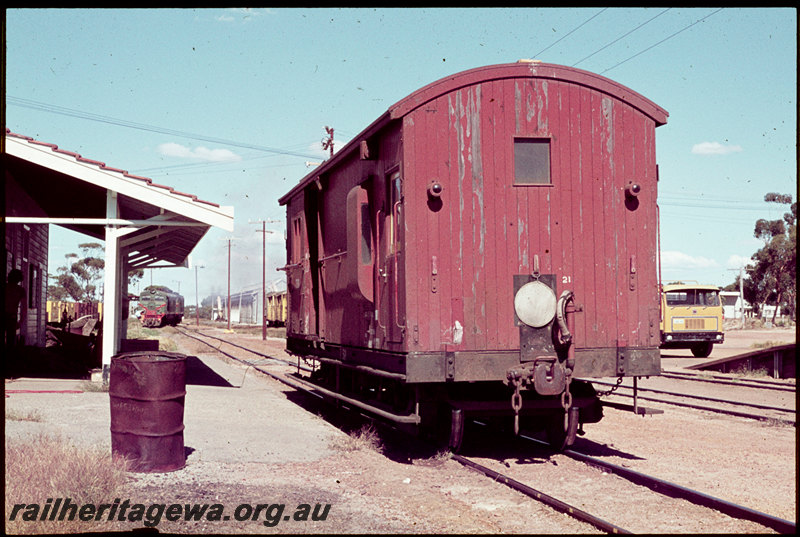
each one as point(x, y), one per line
point(673, 259)
point(243, 14)
point(714, 148)
point(201, 153)
point(736, 261)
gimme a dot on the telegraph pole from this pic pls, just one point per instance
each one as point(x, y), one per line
point(328, 143)
point(229, 285)
point(264, 230)
point(197, 296)
point(741, 290)
point(229, 282)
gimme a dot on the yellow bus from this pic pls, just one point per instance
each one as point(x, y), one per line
point(691, 317)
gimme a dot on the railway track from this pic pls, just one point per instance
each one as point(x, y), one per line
point(732, 381)
point(659, 486)
point(696, 497)
point(194, 335)
point(555, 503)
point(726, 406)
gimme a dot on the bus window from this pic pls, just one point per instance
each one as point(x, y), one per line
point(693, 297)
point(707, 298)
point(678, 298)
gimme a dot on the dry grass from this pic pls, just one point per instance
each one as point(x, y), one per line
point(89, 386)
point(137, 331)
point(364, 438)
point(47, 467)
point(167, 345)
point(743, 371)
point(18, 415)
point(443, 455)
point(767, 344)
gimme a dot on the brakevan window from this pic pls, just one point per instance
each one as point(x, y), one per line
point(532, 161)
point(366, 235)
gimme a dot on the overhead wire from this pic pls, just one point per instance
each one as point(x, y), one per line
point(662, 41)
point(28, 103)
point(141, 126)
point(620, 37)
point(571, 32)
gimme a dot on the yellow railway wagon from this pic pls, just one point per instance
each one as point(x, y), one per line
point(75, 310)
point(275, 309)
point(691, 317)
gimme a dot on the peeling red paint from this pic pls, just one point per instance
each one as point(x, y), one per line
point(461, 132)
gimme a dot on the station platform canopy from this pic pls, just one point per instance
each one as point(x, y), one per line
point(143, 224)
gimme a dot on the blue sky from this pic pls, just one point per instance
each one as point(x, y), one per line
point(231, 104)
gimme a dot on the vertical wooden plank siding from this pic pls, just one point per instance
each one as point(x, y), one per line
point(573, 120)
point(415, 247)
point(489, 209)
point(488, 229)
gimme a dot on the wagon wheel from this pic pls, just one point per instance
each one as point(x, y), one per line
point(558, 438)
point(456, 430)
point(446, 429)
point(702, 350)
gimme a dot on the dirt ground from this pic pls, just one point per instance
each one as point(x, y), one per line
point(384, 483)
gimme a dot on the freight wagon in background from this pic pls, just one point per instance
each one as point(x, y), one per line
point(276, 308)
point(500, 244)
point(61, 309)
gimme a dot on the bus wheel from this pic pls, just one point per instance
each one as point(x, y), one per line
point(702, 350)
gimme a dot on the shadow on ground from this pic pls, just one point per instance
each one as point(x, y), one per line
point(199, 374)
point(48, 362)
point(59, 362)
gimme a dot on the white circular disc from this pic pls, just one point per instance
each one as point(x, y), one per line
point(535, 304)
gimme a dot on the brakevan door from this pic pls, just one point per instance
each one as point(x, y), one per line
point(298, 278)
point(391, 307)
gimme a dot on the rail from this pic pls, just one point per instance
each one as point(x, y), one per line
point(555, 503)
point(699, 498)
point(719, 379)
point(702, 398)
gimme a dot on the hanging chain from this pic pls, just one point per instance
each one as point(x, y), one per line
point(613, 388)
point(566, 401)
point(516, 402)
point(566, 395)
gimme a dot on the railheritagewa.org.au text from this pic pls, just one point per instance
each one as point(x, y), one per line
point(151, 515)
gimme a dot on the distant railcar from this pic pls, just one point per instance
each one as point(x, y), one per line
point(161, 307)
point(275, 308)
point(479, 248)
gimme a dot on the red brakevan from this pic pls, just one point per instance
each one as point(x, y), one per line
point(487, 240)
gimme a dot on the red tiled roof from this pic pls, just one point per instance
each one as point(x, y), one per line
point(103, 166)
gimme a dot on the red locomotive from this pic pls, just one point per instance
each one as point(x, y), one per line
point(479, 248)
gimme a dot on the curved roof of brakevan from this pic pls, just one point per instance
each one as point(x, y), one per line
point(521, 69)
point(528, 69)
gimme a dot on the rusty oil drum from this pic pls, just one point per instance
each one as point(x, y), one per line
point(147, 391)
